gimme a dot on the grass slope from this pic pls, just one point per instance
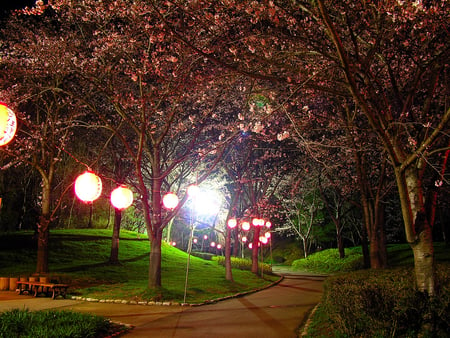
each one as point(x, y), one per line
point(80, 258)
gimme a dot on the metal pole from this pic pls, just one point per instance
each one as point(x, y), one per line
point(188, 261)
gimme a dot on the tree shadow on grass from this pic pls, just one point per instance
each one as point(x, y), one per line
point(101, 264)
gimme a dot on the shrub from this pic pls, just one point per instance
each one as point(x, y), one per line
point(243, 264)
point(385, 303)
point(48, 324)
point(328, 261)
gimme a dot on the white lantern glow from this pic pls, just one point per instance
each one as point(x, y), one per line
point(232, 222)
point(8, 124)
point(88, 187)
point(245, 226)
point(121, 197)
point(170, 200)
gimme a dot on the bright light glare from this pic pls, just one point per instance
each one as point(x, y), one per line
point(206, 202)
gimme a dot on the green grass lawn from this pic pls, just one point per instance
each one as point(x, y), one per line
point(80, 257)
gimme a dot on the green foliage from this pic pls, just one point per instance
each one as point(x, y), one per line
point(49, 324)
point(328, 261)
point(243, 264)
point(375, 303)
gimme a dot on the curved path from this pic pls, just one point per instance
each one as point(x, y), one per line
point(274, 312)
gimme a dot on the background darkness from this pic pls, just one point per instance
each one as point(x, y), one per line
point(6, 6)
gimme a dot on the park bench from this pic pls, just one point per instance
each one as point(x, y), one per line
point(36, 288)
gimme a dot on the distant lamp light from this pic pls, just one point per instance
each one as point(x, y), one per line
point(232, 222)
point(205, 237)
point(250, 246)
point(244, 239)
point(245, 226)
point(88, 187)
point(121, 197)
point(195, 240)
point(8, 124)
point(263, 239)
point(268, 224)
point(267, 235)
point(219, 246)
point(255, 222)
point(213, 244)
point(170, 200)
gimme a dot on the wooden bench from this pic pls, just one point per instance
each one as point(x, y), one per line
point(36, 288)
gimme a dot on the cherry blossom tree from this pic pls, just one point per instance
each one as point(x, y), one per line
point(389, 57)
point(35, 73)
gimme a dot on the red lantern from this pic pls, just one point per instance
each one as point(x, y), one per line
point(121, 197)
point(88, 187)
point(8, 124)
point(170, 200)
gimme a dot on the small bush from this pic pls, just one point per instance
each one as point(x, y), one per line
point(328, 261)
point(385, 303)
point(49, 324)
point(243, 264)
point(204, 255)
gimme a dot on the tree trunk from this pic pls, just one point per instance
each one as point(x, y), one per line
point(114, 256)
point(340, 241)
point(228, 271)
point(43, 230)
point(42, 245)
point(417, 228)
point(154, 271)
point(255, 250)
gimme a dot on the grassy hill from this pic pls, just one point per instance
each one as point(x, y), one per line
point(80, 257)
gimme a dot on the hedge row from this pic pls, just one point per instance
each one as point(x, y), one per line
point(381, 303)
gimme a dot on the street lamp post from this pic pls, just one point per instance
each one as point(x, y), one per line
point(192, 192)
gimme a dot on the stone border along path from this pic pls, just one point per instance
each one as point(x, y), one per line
point(150, 303)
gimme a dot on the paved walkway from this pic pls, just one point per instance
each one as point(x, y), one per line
point(274, 312)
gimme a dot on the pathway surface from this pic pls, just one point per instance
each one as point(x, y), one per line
point(275, 312)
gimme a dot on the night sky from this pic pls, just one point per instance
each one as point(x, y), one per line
point(7, 5)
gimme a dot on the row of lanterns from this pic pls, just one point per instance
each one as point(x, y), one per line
point(88, 187)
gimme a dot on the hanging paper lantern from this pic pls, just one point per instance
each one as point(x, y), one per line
point(170, 200)
point(267, 235)
point(8, 124)
point(88, 187)
point(232, 222)
point(121, 197)
point(245, 226)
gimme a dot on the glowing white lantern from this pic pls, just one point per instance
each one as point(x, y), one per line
point(268, 224)
point(244, 239)
point(121, 197)
point(8, 124)
point(245, 226)
point(267, 234)
point(213, 244)
point(170, 200)
point(219, 246)
point(263, 239)
point(88, 187)
point(232, 222)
